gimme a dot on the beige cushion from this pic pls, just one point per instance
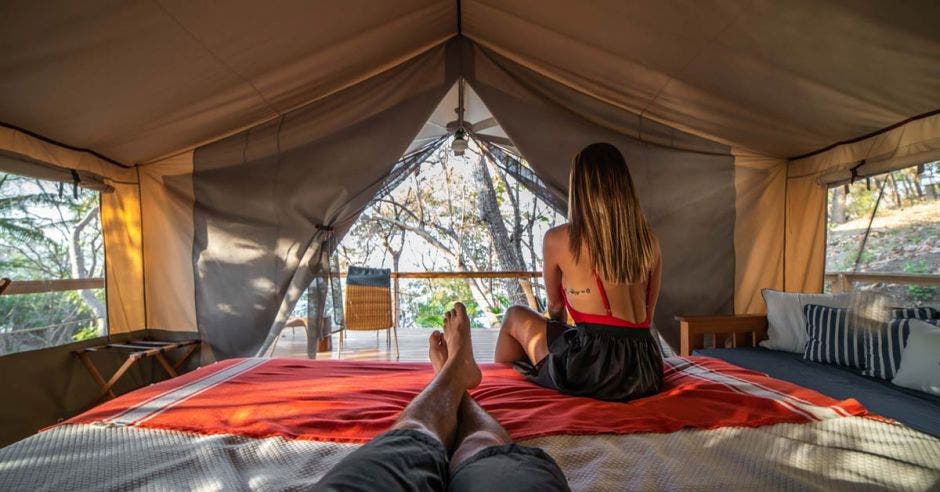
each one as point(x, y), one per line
point(786, 327)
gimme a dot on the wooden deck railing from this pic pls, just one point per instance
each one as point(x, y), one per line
point(453, 275)
point(59, 285)
point(842, 281)
point(523, 276)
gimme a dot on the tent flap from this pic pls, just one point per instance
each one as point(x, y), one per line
point(265, 198)
point(124, 266)
point(166, 197)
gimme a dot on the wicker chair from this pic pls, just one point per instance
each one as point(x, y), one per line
point(368, 304)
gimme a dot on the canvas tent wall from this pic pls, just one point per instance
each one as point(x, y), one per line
point(238, 138)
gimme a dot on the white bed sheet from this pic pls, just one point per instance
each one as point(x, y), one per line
point(850, 453)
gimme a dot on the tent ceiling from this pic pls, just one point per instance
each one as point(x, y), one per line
point(140, 80)
point(477, 118)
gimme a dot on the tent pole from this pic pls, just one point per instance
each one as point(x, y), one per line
point(871, 220)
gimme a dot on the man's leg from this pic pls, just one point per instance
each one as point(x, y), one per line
point(521, 334)
point(477, 431)
point(434, 410)
point(413, 454)
point(485, 457)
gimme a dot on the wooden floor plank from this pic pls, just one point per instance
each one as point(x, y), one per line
point(362, 346)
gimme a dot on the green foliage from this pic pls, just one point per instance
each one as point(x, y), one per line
point(861, 201)
point(919, 293)
point(431, 302)
point(502, 303)
point(37, 223)
point(86, 333)
point(34, 310)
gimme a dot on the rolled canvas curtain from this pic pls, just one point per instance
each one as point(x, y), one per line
point(686, 184)
point(267, 201)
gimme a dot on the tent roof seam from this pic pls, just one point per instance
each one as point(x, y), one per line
point(217, 58)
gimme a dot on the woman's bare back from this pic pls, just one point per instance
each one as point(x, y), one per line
point(627, 301)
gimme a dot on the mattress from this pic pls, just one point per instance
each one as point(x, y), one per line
point(729, 428)
point(916, 409)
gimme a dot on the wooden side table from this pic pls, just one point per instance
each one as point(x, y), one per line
point(135, 350)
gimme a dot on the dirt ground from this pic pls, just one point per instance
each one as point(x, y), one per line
point(901, 241)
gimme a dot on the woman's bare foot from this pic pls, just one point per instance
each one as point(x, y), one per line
point(459, 346)
point(437, 350)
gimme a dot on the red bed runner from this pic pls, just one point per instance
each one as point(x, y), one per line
point(356, 401)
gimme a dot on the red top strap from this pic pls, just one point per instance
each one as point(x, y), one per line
point(603, 292)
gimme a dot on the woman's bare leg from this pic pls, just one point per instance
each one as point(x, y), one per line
point(435, 410)
point(476, 429)
point(522, 334)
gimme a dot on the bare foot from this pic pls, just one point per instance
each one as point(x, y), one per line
point(437, 350)
point(459, 346)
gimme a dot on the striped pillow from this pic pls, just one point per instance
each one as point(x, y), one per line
point(922, 313)
point(831, 339)
point(883, 348)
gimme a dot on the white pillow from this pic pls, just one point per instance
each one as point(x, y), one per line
point(786, 327)
point(920, 360)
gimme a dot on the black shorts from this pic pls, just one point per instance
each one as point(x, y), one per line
point(403, 459)
point(598, 361)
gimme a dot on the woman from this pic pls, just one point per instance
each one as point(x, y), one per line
point(605, 266)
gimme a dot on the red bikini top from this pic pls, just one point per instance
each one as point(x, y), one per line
point(607, 319)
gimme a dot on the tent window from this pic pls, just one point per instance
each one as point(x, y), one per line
point(51, 248)
point(884, 232)
point(441, 216)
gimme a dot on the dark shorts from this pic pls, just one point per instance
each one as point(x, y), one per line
point(598, 361)
point(407, 460)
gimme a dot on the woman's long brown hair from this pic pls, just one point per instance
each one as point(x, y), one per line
point(604, 214)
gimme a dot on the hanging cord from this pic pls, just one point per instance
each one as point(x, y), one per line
point(871, 220)
point(75, 180)
point(330, 267)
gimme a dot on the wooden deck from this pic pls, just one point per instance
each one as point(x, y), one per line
point(362, 346)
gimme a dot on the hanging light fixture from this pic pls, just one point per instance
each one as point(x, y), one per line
point(459, 144)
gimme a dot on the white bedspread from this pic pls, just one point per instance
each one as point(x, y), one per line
point(840, 454)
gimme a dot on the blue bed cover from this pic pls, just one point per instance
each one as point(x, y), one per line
point(915, 409)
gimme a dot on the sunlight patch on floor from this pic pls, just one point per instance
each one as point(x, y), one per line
point(363, 346)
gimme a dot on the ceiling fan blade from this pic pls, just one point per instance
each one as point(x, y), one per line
point(483, 124)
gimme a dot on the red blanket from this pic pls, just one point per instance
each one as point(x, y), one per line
point(355, 401)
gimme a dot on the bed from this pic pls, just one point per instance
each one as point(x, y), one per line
point(282, 423)
point(915, 409)
point(739, 336)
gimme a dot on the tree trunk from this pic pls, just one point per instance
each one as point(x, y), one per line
point(915, 181)
point(897, 194)
point(488, 208)
point(837, 208)
point(77, 262)
point(912, 193)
